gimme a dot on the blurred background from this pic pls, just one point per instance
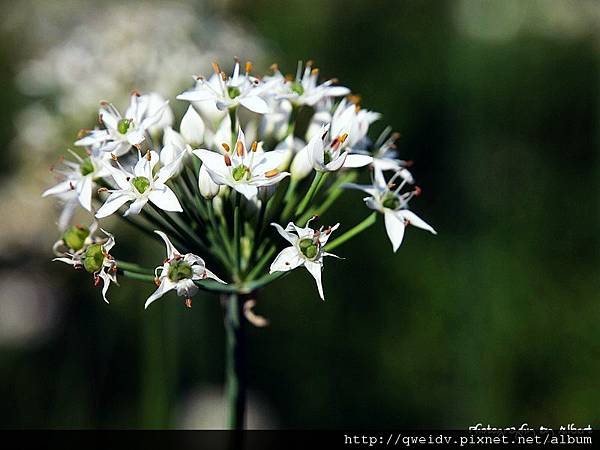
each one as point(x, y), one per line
point(495, 320)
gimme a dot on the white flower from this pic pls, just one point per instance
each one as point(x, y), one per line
point(242, 169)
point(122, 132)
point(306, 250)
point(95, 259)
point(179, 272)
point(79, 176)
point(192, 127)
point(329, 155)
point(140, 186)
point(228, 92)
point(304, 90)
point(351, 119)
point(393, 205)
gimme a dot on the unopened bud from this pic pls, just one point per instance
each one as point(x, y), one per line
point(192, 127)
point(208, 188)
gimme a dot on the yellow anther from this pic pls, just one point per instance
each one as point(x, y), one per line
point(226, 147)
point(271, 173)
point(239, 148)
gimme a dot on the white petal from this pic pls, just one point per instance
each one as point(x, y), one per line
point(196, 95)
point(394, 226)
point(60, 188)
point(209, 274)
point(135, 137)
point(136, 206)
point(215, 162)
point(119, 176)
point(353, 161)
point(165, 199)
point(337, 163)
point(166, 285)
point(247, 190)
point(314, 268)
point(112, 203)
point(255, 104)
point(290, 237)
point(268, 161)
point(84, 192)
point(186, 288)
point(170, 170)
point(171, 250)
point(287, 259)
point(416, 221)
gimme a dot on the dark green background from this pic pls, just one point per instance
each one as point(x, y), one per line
point(494, 320)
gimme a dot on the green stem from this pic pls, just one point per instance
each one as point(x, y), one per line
point(235, 371)
point(125, 265)
point(366, 223)
point(333, 193)
point(237, 235)
point(312, 191)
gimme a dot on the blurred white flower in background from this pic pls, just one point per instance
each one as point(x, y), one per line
point(69, 55)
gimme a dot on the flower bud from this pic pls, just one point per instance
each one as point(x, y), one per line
point(208, 188)
point(192, 127)
point(301, 165)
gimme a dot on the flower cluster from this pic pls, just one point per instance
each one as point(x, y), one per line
point(250, 151)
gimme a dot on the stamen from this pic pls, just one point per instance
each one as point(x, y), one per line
point(136, 93)
point(148, 155)
point(188, 303)
point(157, 281)
point(216, 68)
point(226, 147)
point(113, 157)
point(417, 191)
point(274, 67)
point(314, 71)
point(227, 160)
point(271, 173)
point(248, 67)
point(254, 146)
point(343, 137)
point(102, 189)
point(240, 148)
point(83, 132)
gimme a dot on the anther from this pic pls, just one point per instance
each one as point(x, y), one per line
point(226, 147)
point(102, 189)
point(417, 191)
point(148, 155)
point(81, 133)
point(136, 93)
point(271, 173)
point(248, 66)
point(240, 148)
point(275, 67)
point(343, 137)
point(216, 68)
point(314, 71)
point(254, 146)
point(227, 160)
point(113, 157)
point(157, 281)
point(188, 302)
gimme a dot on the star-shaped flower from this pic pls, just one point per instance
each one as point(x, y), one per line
point(140, 186)
point(179, 272)
point(304, 89)
point(244, 169)
point(228, 92)
point(79, 176)
point(121, 132)
point(306, 250)
point(386, 198)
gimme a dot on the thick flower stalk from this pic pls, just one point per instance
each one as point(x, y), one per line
point(239, 190)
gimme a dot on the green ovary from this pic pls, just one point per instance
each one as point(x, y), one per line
point(297, 88)
point(308, 248)
point(93, 258)
point(141, 184)
point(233, 92)
point(75, 236)
point(86, 167)
point(391, 201)
point(123, 126)
point(179, 270)
point(238, 173)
